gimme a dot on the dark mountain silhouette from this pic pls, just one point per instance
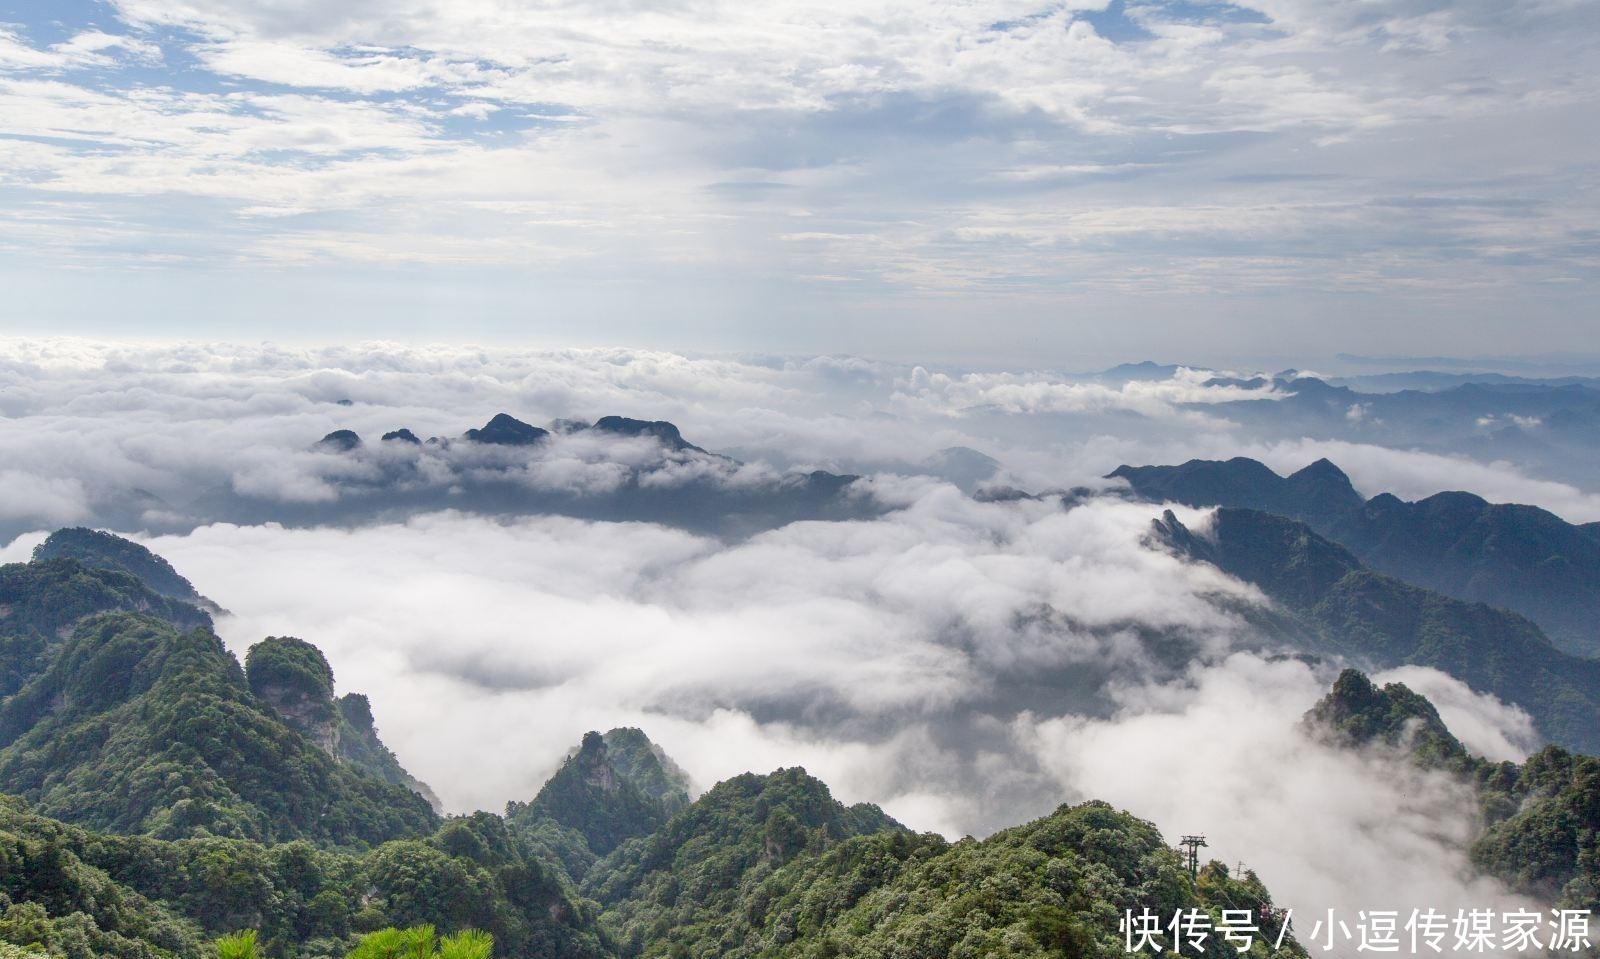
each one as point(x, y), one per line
point(503, 429)
point(1342, 608)
point(1521, 558)
point(660, 429)
point(341, 441)
point(496, 472)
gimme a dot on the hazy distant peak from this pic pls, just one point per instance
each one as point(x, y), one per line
point(667, 433)
point(506, 430)
point(342, 441)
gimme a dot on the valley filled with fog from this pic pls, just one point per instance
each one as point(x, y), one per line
point(918, 583)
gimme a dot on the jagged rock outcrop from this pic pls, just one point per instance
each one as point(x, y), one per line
point(294, 678)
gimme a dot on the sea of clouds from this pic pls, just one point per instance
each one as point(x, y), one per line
point(167, 436)
point(966, 664)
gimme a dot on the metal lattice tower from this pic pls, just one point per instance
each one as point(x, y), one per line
point(1193, 845)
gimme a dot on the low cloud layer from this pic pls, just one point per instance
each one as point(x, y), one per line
point(164, 437)
point(967, 665)
point(1221, 755)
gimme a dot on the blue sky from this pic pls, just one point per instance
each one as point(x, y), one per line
point(999, 181)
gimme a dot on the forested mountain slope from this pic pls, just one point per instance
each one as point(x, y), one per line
point(42, 602)
point(1521, 558)
point(139, 727)
point(1338, 606)
point(81, 894)
point(101, 550)
point(1541, 818)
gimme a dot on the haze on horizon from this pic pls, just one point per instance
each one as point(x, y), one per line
point(1008, 182)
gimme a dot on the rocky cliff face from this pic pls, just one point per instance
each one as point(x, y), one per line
point(294, 678)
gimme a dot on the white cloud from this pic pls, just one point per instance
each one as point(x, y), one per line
point(818, 627)
point(967, 664)
point(1325, 828)
point(921, 148)
point(1043, 393)
point(99, 422)
point(1486, 726)
point(902, 660)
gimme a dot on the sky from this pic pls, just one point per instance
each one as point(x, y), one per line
point(1005, 182)
point(816, 235)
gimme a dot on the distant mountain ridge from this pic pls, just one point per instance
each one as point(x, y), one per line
point(1550, 428)
point(511, 467)
point(1340, 607)
point(1520, 558)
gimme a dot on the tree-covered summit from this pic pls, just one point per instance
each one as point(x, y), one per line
point(139, 727)
point(688, 872)
point(97, 549)
point(1358, 713)
point(606, 795)
point(295, 679)
point(1540, 819)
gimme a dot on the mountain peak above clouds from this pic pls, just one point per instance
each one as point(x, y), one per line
point(503, 429)
point(341, 441)
point(667, 433)
point(97, 549)
point(1519, 557)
